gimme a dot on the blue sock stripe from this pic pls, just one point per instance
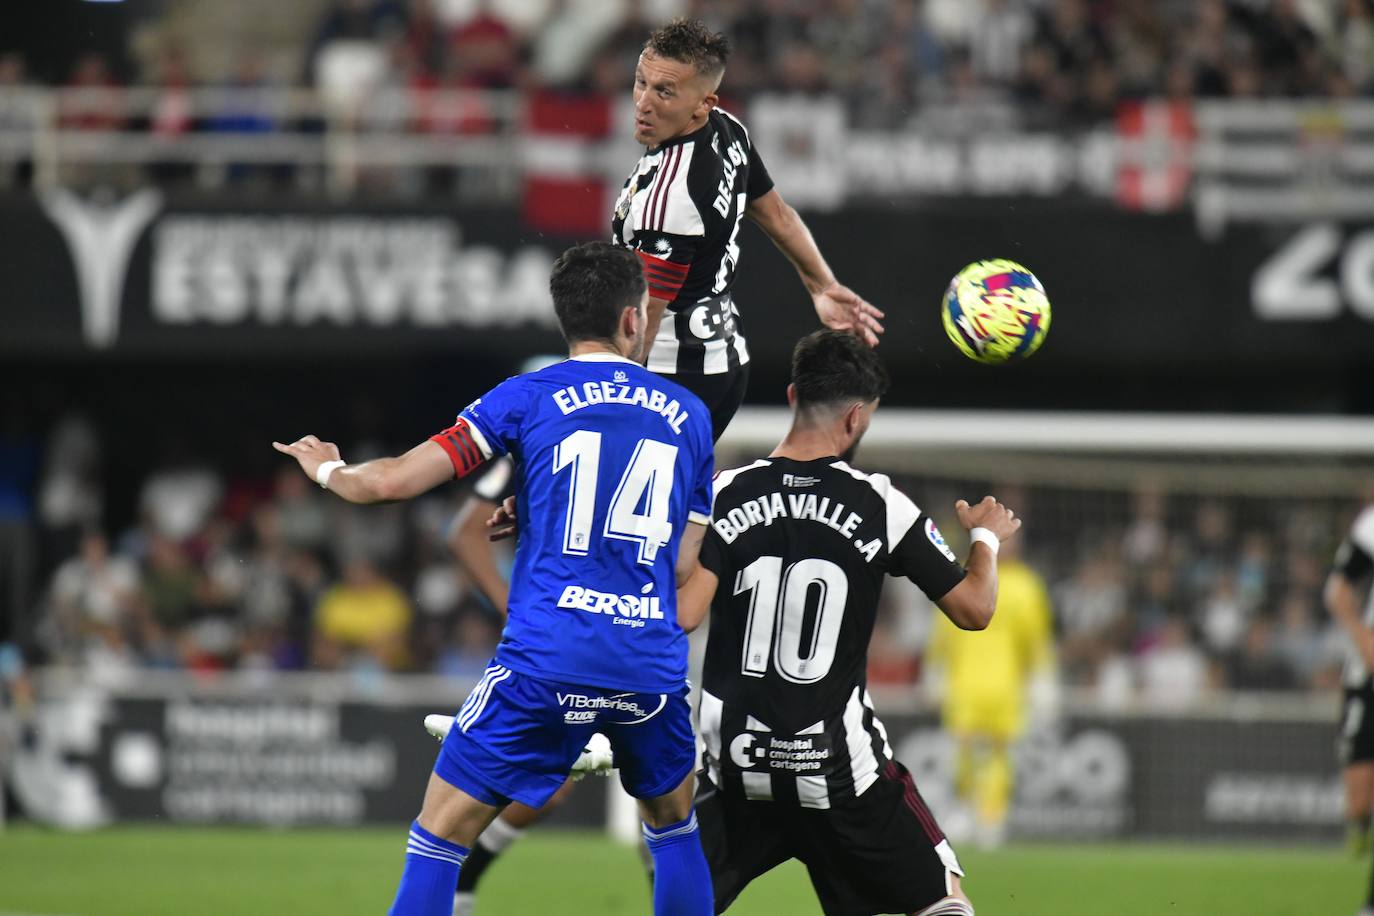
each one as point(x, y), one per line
point(416, 844)
point(681, 828)
point(437, 842)
point(425, 853)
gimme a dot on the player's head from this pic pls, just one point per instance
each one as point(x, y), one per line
point(676, 80)
point(836, 383)
point(600, 296)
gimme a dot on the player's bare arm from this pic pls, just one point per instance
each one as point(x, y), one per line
point(970, 604)
point(838, 306)
point(382, 480)
point(694, 598)
point(471, 549)
point(1343, 604)
point(653, 318)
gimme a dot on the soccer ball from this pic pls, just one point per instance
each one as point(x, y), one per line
point(996, 311)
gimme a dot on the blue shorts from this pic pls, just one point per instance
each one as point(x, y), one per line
point(517, 737)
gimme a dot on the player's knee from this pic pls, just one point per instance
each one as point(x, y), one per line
point(949, 906)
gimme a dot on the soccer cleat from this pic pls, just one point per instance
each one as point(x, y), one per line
point(595, 758)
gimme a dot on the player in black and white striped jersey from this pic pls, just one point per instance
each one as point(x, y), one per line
point(796, 763)
point(680, 211)
point(1350, 600)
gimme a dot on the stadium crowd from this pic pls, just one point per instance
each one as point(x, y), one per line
point(1156, 595)
point(1071, 60)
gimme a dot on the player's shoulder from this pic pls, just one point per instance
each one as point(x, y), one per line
point(880, 485)
point(742, 476)
point(901, 510)
point(729, 122)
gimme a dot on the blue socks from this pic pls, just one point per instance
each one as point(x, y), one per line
point(682, 880)
point(430, 876)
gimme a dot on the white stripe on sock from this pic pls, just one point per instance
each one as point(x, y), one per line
point(652, 835)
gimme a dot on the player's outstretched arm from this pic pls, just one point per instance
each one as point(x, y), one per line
point(837, 305)
point(971, 603)
point(383, 480)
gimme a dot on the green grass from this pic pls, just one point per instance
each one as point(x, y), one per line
point(148, 871)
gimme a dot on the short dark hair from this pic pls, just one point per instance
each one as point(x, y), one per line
point(831, 367)
point(691, 42)
point(592, 284)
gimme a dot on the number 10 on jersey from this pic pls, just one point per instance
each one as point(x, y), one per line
point(646, 483)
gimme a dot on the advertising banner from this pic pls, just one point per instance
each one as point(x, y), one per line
point(274, 758)
point(158, 276)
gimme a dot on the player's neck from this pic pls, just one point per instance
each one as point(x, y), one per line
point(807, 443)
point(692, 127)
point(584, 347)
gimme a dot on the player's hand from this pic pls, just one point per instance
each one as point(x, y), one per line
point(502, 521)
point(989, 514)
point(310, 452)
point(842, 309)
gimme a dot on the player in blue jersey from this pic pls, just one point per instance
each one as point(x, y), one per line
point(613, 471)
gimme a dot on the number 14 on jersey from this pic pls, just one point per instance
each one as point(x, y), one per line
point(646, 483)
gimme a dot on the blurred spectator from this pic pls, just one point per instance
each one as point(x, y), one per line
point(171, 591)
point(93, 606)
point(483, 51)
point(1310, 652)
point(17, 113)
point(95, 102)
point(1174, 672)
point(69, 492)
point(468, 653)
point(1258, 666)
point(362, 622)
point(302, 512)
point(18, 471)
point(997, 43)
point(1222, 616)
point(177, 501)
point(1353, 40)
point(571, 36)
point(1091, 608)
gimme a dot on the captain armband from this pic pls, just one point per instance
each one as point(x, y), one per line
point(465, 446)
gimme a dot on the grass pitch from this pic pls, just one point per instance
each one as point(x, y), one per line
point(153, 871)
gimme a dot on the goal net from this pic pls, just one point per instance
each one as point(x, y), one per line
point(1184, 557)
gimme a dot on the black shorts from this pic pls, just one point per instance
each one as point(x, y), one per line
point(1356, 742)
point(879, 853)
point(722, 393)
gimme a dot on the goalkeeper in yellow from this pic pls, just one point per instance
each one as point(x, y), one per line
point(986, 681)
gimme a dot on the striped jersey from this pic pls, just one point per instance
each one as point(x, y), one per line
point(1355, 561)
point(801, 549)
point(680, 211)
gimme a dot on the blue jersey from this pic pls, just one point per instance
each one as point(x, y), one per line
point(612, 461)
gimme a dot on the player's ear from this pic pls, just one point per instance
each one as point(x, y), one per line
point(791, 395)
point(853, 418)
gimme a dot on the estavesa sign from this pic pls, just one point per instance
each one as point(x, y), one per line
point(294, 270)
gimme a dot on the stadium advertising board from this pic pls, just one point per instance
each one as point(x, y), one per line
point(278, 760)
point(148, 275)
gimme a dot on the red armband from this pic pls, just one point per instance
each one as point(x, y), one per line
point(664, 277)
point(462, 447)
